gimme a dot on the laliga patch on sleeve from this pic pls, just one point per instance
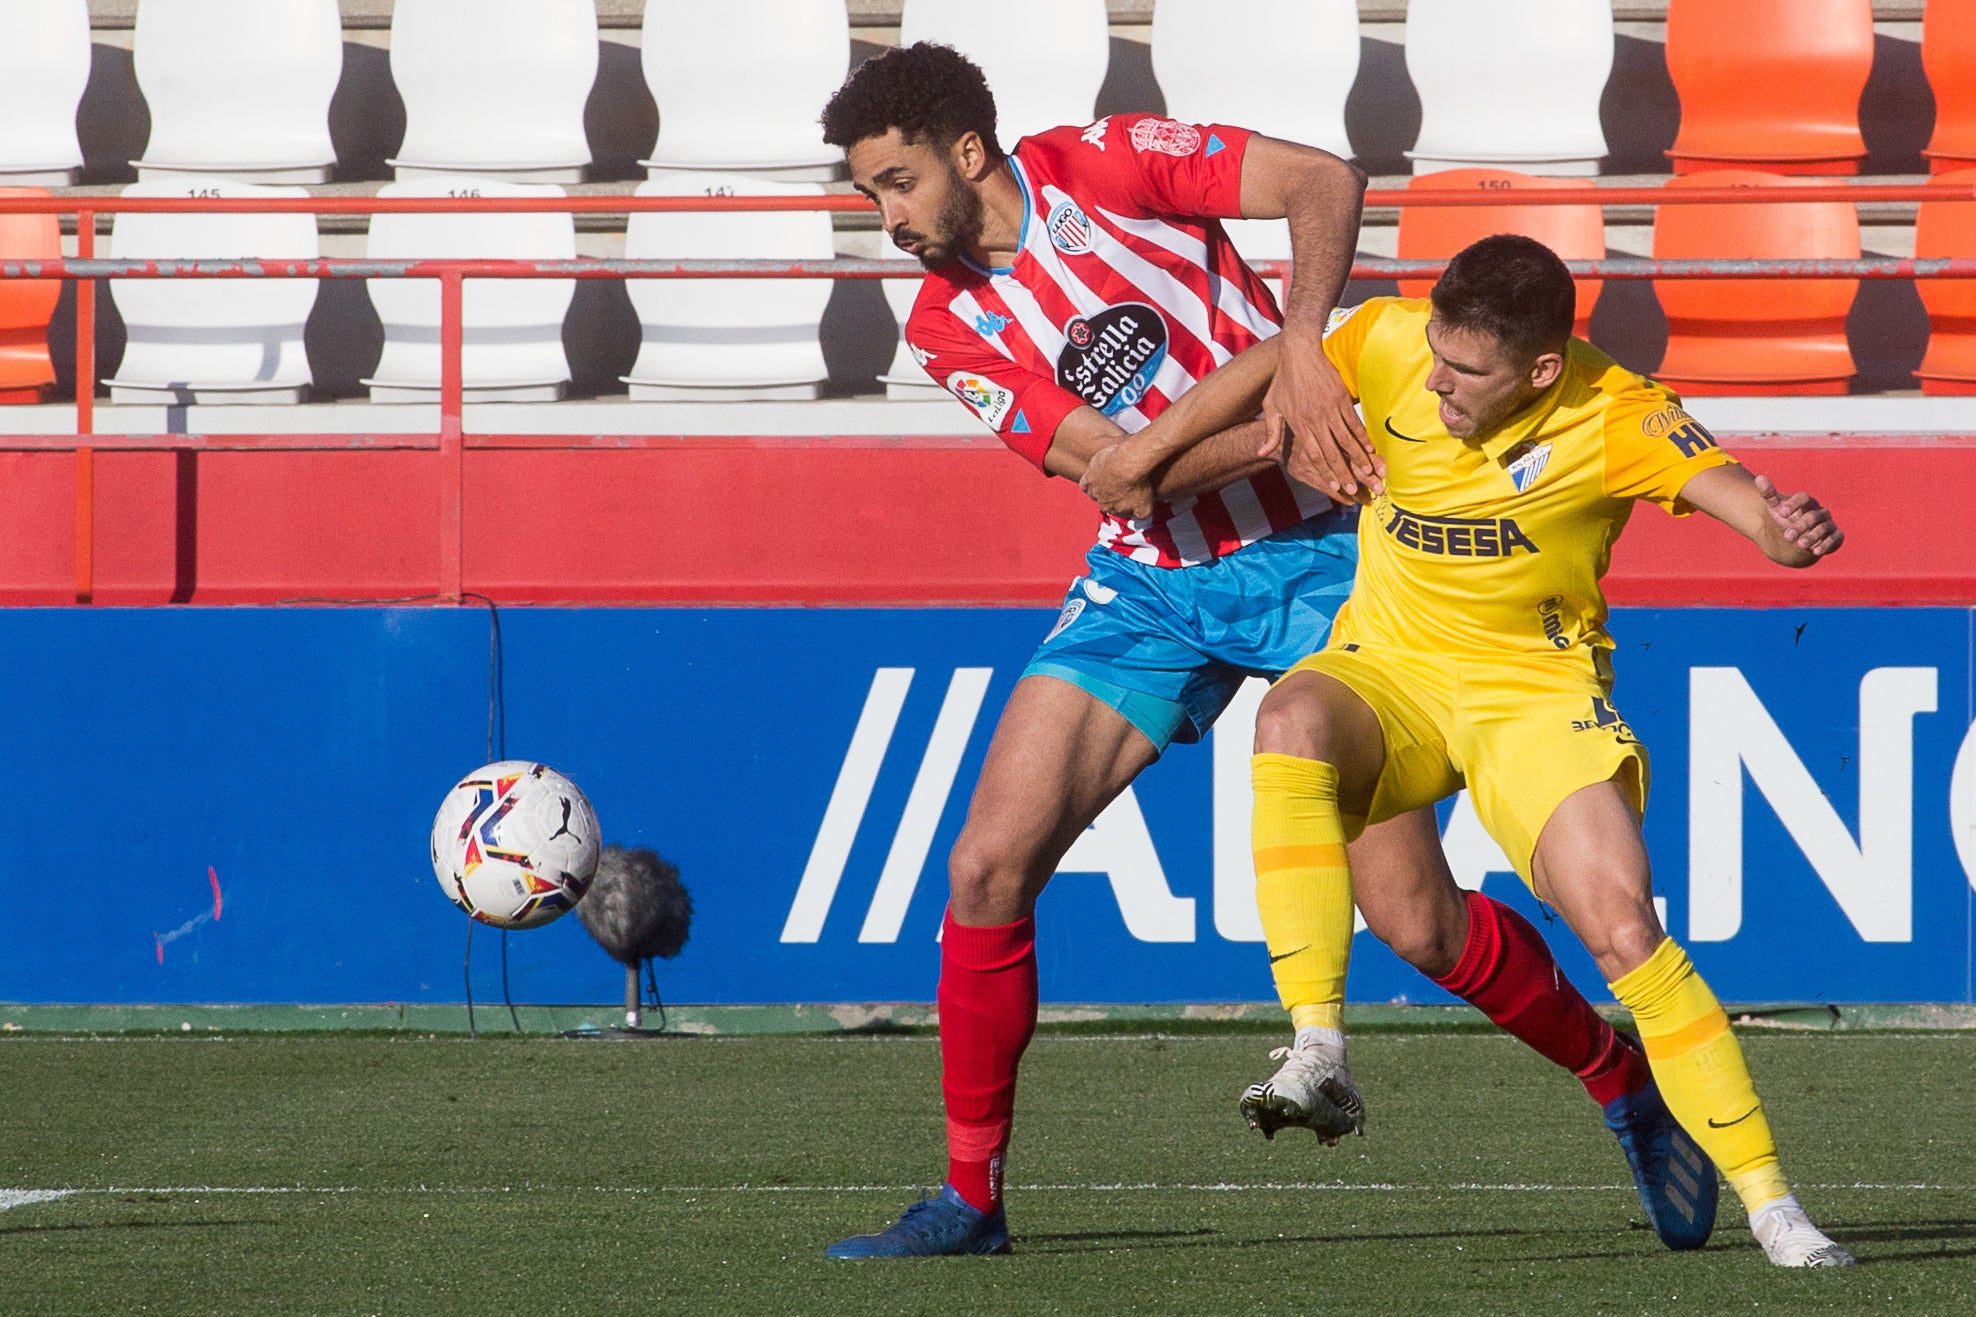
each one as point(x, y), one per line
point(990, 401)
point(1166, 136)
point(1339, 315)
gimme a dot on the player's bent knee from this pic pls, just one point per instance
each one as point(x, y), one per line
point(1293, 720)
point(988, 883)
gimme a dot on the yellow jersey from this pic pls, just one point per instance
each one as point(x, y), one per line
point(1494, 546)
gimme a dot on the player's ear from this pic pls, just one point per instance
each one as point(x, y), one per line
point(970, 155)
point(1544, 371)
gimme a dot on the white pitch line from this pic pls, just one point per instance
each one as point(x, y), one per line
point(10, 1198)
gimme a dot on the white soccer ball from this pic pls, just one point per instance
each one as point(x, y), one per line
point(515, 844)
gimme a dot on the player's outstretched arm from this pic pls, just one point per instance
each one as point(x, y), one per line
point(1793, 529)
point(1126, 476)
point(1308, 411)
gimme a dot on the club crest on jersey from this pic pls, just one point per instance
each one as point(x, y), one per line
point(1069, 229)
point(1526, 462)
point(1109, 359)
point(1065, 618)
point(1166, 136)
point(990, 401)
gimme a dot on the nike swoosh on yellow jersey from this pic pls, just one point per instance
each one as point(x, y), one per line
point(1397, 435)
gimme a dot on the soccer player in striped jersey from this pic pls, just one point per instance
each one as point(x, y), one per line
point(1081, 288)
point(1473, 651)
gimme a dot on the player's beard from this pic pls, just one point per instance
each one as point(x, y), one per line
point(955, 229)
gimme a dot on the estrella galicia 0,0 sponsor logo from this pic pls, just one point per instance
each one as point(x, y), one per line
point(1109, 359)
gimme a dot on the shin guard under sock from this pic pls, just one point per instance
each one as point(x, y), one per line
point(1506, 972)
point(1303, 886)
point(1701, 1071)
point(987, 1001)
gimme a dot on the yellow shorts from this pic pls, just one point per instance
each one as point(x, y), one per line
point(1520, 735)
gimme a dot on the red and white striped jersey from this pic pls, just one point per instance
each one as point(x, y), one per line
point(1126, 291)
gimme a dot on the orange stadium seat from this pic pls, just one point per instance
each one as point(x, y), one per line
point(1769, 84)
point(1948, 228)
point(1576, 233)
point(1948, 56)
point(1755, 335)
point(27, 305)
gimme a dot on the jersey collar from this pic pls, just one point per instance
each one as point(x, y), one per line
point(1022, 238)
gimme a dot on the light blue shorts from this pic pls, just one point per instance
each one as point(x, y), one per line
point(1168, 646)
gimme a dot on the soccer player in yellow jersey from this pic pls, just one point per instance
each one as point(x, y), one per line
point(1473, 651)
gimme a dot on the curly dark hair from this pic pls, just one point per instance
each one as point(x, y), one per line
point(931, 93)
point(1512, 288)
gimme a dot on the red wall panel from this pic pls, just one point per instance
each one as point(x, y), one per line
point(818, 521)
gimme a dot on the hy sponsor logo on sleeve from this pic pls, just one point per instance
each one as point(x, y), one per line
point(990, 401)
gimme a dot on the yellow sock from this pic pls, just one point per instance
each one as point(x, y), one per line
point(1699, 1067)
point(1303, 886)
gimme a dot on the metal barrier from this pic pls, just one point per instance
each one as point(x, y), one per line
point(451, 440)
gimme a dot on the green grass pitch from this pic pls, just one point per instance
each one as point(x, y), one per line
point(332, 1174)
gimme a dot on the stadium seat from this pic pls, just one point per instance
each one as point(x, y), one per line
point(905, 378)
point(212, 340)
point(739, 84)
point(263, 118)
point(494, 88)
point(1559, 54)
point(1948, 228)
point(1577, 233)
point(735, 339)
point(27, 305)
point(1045, 59)
point(1755, 336)
point(1281, 67)
point(44, 66)
point(1948, 56)
point(512, 329)
point(1769, 84)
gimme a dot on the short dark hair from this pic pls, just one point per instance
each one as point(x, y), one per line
point(1510, 287)
point(931, 93)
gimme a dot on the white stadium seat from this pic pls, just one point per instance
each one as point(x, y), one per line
point(239, 88)
point(1045, 59)
point(1559, 53)
point(905, 378)
point(494, 88)
point(44, 66)
point(728, 338)
point(1281, 67)
point(739, 84)
point(212, 340)
point(512, 328)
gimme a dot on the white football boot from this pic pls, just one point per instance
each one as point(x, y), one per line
point(1789, 1238)
point(1312, 1090)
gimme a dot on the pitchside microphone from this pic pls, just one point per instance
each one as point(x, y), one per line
point(637, 910)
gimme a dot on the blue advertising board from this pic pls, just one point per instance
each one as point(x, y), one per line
point(231, 805)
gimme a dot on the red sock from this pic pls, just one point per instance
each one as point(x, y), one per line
point(987, 1015)
point(1507, 973)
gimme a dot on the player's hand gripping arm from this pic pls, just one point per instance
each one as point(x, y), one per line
point(1308, 412)
point(1795, 530)
point(1165, 460)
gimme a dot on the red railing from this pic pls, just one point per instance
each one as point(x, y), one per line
point(451, 439)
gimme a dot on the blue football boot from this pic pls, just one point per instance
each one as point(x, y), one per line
point(944, 1225)
point(1677, 1182)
